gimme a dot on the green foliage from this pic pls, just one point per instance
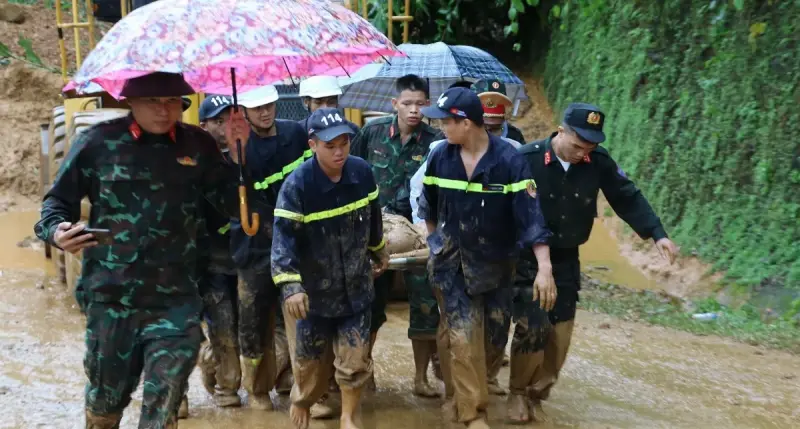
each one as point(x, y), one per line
point(29, 55)
point(701, 98)
point(745, 323)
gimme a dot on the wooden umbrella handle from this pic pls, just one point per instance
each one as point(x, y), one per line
point(250, 228)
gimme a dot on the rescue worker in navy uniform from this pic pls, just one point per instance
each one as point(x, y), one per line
point(570, 168)
point(479, 204)
point(276, 147)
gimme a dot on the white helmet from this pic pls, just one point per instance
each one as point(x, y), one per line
point(259, 97)
point(320, 87)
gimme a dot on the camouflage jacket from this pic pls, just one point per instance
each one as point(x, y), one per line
point(481, 221)
point(148, 190)
point(269, 160)
point(393, 163)
point(324, 233)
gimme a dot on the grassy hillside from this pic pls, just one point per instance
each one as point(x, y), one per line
point(703, 106)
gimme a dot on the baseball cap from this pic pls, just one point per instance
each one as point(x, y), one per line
point(587, 120)
point(327, 124)
point(259, 97)
point(213, 105)
point(456, 102)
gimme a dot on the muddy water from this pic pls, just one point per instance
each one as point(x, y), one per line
point(601, 258)
point(623, 376)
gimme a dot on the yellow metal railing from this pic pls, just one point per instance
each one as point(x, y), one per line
point(76, 26)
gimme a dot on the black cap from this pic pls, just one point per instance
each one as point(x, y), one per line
point(159, 84)
point(456, 102)
point(327, 124)
point(213, 105)
point(587, 120)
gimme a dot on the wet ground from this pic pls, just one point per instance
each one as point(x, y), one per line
point(619, 374)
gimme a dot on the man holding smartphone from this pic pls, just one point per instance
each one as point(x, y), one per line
point(145, 175)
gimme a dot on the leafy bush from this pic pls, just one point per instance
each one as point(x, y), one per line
point(702, 103)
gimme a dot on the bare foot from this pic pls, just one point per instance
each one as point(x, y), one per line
point(299, 416)
point(347, 423)
point(478, 423)
point(518, 412)
point(261, 402)
point(496, 389)
point(537, 412)
point(423, 389)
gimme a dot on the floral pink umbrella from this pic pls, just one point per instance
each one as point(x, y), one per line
point(264, 41)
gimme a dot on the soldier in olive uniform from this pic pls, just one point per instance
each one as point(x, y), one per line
point(395, 148)
point(145, 176)
point(570, 168)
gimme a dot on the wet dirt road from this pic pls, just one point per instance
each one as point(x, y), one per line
point(619, 374)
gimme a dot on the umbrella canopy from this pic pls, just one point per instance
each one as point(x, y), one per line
point(264, 41)
point(372, 87)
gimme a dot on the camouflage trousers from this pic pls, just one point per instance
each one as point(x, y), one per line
point(321, 344)
point(222, 318)
point(423, 311)
point(541, 339)
point(124, 344)
point(258, 301)
point(467, 327)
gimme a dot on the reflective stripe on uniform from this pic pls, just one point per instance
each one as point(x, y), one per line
point(380, 246)
point(461, 185)
point(224, 229)
point(326, 214)
point(264, 184)
point(286, 278)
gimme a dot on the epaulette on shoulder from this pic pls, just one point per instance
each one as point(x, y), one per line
point(533, 147)
point(379, 121)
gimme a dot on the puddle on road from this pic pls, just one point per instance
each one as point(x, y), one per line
point(601, 259)
point(17, 228)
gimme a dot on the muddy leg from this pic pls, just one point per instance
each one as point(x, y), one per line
point(310, 354)
point(112, 362)
point(382, 285)
point(527, 352)
point(169, 358)
point(498, 322)
point(222, 315)
point(283, 366)
point(353, 363)
point(257, 296)
point(423, 320)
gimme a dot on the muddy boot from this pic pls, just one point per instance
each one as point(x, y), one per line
point(108, 421)
point(506, 360)
point(322, 410)
point(261, 402)
point(224, 400)
point(371, 386)
point(537, 412)
point(449, 410)
point(479, 423)
point(437, 367)
point(518, 410)
point(208, 367)
point(495, 388)
point(183, 410)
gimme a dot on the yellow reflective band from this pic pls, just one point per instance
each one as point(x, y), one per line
point(326, 214)
point(224, 229)
point(264, 184)
point(286, 278)
point(460, 185)
point(378, 247)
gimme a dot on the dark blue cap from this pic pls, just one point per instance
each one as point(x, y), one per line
point(327, 124)
point(587, 120)
point(456, 102)
point(213, 105)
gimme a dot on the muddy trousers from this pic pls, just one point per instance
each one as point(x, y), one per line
point(423, 311)
point(497, 324)
point(318, 341)
point(541, 339)
point(283, 361)
point(461, 341)
point(222, 318)
point(122, 345)
point(258, 300)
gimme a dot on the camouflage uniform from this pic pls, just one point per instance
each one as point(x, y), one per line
point(479, 222)
point(140, 293)
point(324, 234)
point(393, 164)
point(268, 160)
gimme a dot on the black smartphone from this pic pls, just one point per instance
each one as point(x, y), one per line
point(102, 236)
